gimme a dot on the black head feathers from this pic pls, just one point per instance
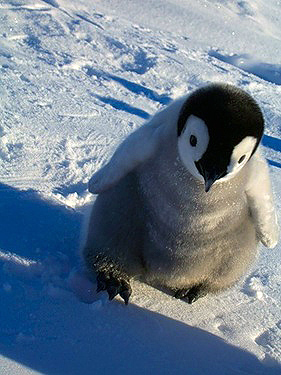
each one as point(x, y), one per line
point(230, 113)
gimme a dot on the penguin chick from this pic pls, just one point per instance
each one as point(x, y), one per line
point(185, 199)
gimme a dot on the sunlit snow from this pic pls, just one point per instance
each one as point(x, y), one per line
point(76, 77)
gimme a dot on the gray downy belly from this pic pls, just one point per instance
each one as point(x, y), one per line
point(192, 236)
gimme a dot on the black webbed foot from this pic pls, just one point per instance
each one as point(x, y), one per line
point(191, 294)
point(114, 285)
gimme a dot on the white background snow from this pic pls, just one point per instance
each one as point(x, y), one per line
point(76, 78)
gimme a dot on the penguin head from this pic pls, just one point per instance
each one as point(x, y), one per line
point(219, 129)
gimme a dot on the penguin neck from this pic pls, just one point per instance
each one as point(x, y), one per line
point(165, 177)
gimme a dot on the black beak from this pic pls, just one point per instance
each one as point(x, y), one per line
point(209, 182)
point(210, 175)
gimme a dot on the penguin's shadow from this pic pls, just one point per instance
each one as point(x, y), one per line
point(33, 227)
point(71, 338)
point(64, 336)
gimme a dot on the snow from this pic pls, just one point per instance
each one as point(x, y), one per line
point(76, 78)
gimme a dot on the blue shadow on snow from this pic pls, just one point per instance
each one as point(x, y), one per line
point(271, 142)
point(274, 163)
point(136, 88)
point(34, 227)
point(68, 337)
point(139, 89)
point(120, 105)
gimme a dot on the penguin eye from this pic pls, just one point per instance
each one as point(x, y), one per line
point(193, 140)
point(241, 159)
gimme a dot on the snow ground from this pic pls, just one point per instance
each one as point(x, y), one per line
point(76, 78)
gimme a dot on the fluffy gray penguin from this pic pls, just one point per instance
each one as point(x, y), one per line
point(185, 199)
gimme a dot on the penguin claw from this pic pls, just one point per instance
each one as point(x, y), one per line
point(192, 294)
point(113, 286)
point(112, 292)
point(181, 293)
point(125, 294)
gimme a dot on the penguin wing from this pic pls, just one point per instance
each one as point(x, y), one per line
point(137, 148)
point(260, 199)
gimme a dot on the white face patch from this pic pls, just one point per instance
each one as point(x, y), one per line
point(192, 143)
point(240, 155)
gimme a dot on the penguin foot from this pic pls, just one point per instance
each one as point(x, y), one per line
point(114, 286)
point(191, 294)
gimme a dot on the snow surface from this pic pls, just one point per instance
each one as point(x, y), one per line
point(76, 78)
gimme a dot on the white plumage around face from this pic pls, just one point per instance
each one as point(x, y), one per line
point(194, 141)
point(240, 155)
point(234, 124)
point(192, 144)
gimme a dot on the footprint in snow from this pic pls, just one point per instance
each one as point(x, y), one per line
point(270, 340)
point(253, 287)
point(132, 59)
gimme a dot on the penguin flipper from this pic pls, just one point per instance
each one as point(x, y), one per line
point(260, 199)
point(136, 149)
